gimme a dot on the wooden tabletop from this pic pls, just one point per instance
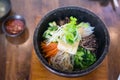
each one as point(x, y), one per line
point(17, 56)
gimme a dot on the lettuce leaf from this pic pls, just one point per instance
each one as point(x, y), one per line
point(70, 31)
point(50, 31)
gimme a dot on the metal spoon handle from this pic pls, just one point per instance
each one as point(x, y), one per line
point(119, 77)
point(116, 3)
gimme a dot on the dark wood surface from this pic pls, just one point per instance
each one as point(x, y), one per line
point(16, 53)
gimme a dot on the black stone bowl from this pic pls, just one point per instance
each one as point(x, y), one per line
point(81, 14)
point(5, 8)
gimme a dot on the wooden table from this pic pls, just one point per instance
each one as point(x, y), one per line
point(18, 60)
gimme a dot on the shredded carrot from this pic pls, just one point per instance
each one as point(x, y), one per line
point(51, 53)
point(49, 50)
point(44, 46)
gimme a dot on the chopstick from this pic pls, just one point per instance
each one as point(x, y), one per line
point(115, 2)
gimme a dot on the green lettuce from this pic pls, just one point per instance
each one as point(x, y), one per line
point(70, 31)
point(50, 31)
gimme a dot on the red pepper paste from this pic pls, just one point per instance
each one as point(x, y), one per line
point(14, 26)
